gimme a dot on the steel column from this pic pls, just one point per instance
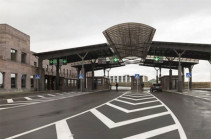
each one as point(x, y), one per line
point(40, 72)
point(57, 75)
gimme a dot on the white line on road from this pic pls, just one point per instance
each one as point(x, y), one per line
point(39, 128)
point(110, 124)
point(138, 98)
point(134, 110)
point(62, 130)
point(180, 129)
point(153, 133)
point(126, 102)
point(40, 96)
point(51, 95)
point(10, 101)
point(27, 98)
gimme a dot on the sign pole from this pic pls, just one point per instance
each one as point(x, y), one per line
point(137, 85)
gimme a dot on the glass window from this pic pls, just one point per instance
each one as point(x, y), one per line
point(123, 79)
point(13, 54)
point(23, 57)
point(35, 64)
point(99, 81)
point(63, 71)
point(46, 67)
point(13, 80)
point(120, 79)
point(23, 81)
point(32, 81)
point(128, 78)
point(1, 80)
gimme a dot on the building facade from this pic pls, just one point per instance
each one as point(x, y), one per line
point(18, 65)
point(124, 79)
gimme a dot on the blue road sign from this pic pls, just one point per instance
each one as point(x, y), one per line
point(80, 76)
point(37, 76)
point(137, 76)
point(188, 75)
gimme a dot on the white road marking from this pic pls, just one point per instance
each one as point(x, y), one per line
point(40, 96)
point(62, 130)
point(10, 101)
point(153, 133)
point(136, 103)
point(27, 98)
point(180, 129)
point(110, 124)
point(51, 95)
point(39, 128)
point(138, 98)
point(134, 110)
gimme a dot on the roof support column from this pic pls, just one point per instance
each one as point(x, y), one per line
point(170, 59)
point(179, 89)
point(82, 71)
point(57, 75)
point(160, 72)
point(210, 69)
point(41, 73)
point(156, 75)
point(93, 74)
point(108, 70)
point(190, 80)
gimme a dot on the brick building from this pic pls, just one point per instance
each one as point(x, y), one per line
point(18, 65)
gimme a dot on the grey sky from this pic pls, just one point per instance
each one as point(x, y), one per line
point(59, 24)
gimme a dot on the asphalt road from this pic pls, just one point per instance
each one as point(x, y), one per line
point(106, 115)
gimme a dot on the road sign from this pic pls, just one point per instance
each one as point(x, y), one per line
point(137, 76)
point(102, 60)
point(37, 76)
point(188, 75)
point(158, 59)
point(80, 76)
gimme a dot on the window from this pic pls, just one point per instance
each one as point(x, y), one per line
point(32, 81)
point(1, 80)
point(52, 69)
point(13, 54)
point(35, 64)
point(23, 81)
point(128, 78)
point(64, 71)
point(70, 73)
point(99, 81)
point(120, 79)
point(67, 72)
point(123, 79)
point(13, 80)
point(23, 57)
point(46, 68)
point(69, 83)
point(115, 78)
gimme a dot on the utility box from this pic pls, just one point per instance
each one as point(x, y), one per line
point(134, 83)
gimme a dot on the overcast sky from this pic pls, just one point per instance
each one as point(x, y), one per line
point(60, 24)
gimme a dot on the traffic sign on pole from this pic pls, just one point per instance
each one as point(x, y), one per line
point(80, 76)
point(188, 75)
point(37, 76)
point(137, 76)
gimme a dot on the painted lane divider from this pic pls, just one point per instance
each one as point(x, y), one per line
point(110, 124)
point(138, 99)
point(27, 98)
point(10, 101)
point(51, 95)
point(134, 110)
point(126, 102)
point(62, 130)
point(40, 96)
point(154, 133)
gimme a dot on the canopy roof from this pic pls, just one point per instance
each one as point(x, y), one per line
point(130, 39)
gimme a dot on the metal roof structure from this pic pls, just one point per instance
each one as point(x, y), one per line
point(72, 54)
point(130, 39)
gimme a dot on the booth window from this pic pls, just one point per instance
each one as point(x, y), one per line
point(124, 79)
point(13, 80)
point(13, 54)
point(23, 57)
point(1, 80)
point(99, 81)
point(23, 81)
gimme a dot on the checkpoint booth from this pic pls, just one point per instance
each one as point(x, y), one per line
point(165, 82)
point(134, 83)
point(100, 83)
